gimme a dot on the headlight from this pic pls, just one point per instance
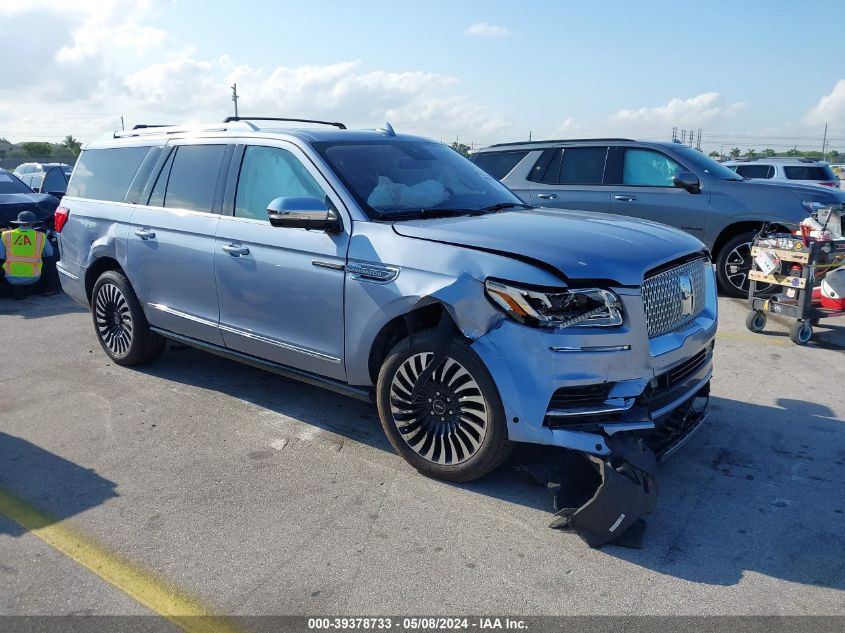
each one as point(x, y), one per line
point(566, 307)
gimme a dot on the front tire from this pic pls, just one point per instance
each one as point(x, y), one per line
point(733, 263)
point(455, 428)
point(120, 324)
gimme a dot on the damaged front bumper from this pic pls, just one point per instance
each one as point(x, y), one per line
point(618, 400)
point(579, 389)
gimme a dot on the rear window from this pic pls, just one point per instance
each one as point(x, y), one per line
point(582, 166)
point(498, 164)
point(10, 184)
point(809, 172)
point(755, 171)
point(192, 177)
point(105, 174)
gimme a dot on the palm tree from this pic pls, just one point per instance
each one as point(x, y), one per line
point(735, 153)
point(714, 154)
point(750, 153)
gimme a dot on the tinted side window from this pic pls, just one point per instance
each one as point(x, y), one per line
point(582, 166)
point(755, 171)
point(499, 164)
point(54, 181)
point(193, 177)
point(157, 195)
point(105, 174)
point(810, 172)
point(268, 173)
point(647, 168)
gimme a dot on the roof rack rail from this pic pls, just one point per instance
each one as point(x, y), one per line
point(229, 119)
point(561, 140)
point(144, 126)
point(143, 129)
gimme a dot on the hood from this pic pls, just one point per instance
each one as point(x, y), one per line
point(41, 204)
point(579, 245)
point(802, 190)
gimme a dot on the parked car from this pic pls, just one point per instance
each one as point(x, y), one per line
point(15, 196)
point(53, 180)
point(388, 267)
point(798, 170)
point(665, 182)
point(32, 168)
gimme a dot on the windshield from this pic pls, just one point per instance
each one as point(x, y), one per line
point(706, 164)
point(400, 178)
point(10, 184)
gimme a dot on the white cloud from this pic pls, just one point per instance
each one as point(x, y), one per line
point(483, 29)
point(106, 60)
point(690, 112)
point(830, 108)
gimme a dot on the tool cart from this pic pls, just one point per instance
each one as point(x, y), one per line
point(796, 265)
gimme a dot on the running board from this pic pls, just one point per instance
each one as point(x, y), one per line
point(359, 393)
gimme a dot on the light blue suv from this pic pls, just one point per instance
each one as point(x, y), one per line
point(389, 268)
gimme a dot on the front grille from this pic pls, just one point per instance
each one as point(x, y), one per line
point(662, 297)
point(582, 396)
point(679, 373)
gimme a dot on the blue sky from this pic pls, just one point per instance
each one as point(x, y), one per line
point(747, 73)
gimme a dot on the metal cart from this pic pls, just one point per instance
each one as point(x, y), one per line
point(815, 259)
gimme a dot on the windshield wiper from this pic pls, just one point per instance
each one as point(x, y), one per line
point(501, 206)
point(416, 214)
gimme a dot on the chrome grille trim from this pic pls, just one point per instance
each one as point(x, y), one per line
point(662, 297)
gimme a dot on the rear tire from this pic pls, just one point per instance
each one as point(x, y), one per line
point(120, 324)
point(455, 429)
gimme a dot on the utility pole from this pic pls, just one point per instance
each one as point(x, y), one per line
point(698, 142)
point(674, 133)
point(235, 97)
point(529, 136)
point(121, 123)
point(824, 142)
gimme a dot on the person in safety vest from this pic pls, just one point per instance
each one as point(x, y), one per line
point(23, 248)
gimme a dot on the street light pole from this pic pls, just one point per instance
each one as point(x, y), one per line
point(235, 97)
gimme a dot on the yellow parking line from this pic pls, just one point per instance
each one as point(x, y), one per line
point(757, 339)
point(139, 584)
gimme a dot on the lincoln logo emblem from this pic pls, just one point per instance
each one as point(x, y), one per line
point(687, 296)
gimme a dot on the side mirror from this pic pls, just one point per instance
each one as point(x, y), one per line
point(687, 180)
point(303, 212)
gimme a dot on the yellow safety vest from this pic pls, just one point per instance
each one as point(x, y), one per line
point(23, 252)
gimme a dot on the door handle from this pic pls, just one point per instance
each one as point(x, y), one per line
point(547, 196)
point(625, 198)
point(145, 234)
point(236, 251)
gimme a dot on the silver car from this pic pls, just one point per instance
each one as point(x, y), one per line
point(665, 182)
point(390, 268)
point(802, 171)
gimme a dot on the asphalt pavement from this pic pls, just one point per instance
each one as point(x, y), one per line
point(257, 495)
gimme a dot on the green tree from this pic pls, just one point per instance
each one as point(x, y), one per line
point(768, 153)
point(793, 152)
point(750, 153)
point(37, 150)
point(735, 153)
point(72, 144)
point(461, 148)
point(714, 154)
point(833, 155)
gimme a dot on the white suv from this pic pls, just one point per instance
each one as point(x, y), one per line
point(799, 170)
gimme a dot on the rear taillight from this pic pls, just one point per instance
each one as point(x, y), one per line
point(827, 184)
point(60, 218)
